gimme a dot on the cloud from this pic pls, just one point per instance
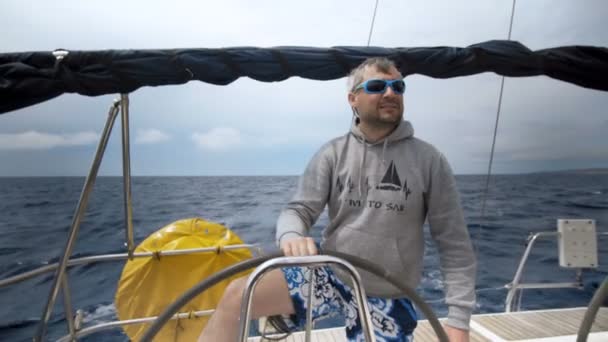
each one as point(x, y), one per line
point(33, 140)
point(456, 115)
point(220, 138)
point(150, 136)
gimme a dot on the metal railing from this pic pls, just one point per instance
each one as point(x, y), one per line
point(122, 256)
point(60, 270)
point(516, 287)
point(75, 329)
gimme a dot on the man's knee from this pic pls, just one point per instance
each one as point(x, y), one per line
point(271, 296)
point(231, 300)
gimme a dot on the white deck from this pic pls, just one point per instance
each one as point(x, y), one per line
point(539, 326)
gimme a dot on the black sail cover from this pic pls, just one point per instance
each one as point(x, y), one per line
point(32, 77)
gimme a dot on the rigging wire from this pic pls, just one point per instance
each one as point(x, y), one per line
point(502, 85)
point(371, 29)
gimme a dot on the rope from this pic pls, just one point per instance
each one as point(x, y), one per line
point(371, 29)
point(502, 86)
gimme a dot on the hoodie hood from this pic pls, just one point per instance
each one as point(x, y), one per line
point(403, 131)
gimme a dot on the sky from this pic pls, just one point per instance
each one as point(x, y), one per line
point(256, 128)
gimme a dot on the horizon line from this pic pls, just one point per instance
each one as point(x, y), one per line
point(583, 170)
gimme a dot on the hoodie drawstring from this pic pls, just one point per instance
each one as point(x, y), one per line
point(362, 166)
point(384, 151)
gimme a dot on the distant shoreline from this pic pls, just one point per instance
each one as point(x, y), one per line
point(594, 171)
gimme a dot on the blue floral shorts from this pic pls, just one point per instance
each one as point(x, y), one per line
point(393, 319)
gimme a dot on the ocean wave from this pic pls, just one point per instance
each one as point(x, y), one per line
point(432, 280)
point(587, 205)
point(36, 204)
point(484, 226)
point(100, 314)
point(20, 266)
point(9, 250)
point(19, 323)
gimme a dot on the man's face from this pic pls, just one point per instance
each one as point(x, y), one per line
point(380, 110)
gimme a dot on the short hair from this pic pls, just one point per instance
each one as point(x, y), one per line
point(381, 64)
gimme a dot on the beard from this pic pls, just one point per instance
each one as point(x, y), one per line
point(382, 118)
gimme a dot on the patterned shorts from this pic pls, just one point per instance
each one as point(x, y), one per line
point(393, 319)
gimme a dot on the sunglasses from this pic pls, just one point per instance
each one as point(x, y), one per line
point(376, 86)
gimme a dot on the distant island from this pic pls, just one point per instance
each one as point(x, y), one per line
point(595, 171)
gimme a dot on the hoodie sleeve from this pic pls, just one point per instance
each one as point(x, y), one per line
point(448, 229)
point(309, 200)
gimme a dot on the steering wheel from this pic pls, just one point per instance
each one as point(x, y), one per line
point(172, 309)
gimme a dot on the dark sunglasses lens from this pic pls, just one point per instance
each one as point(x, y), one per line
point(399, 87)
point(376, 86)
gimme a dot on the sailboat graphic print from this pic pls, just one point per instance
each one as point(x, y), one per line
point(391, 180)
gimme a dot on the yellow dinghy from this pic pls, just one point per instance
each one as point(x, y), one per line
point(149, 285)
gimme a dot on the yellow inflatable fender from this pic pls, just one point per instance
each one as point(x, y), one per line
point(148, 285)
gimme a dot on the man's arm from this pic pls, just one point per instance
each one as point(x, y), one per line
point(450, 233)
point(456, 335)
point(308, 202)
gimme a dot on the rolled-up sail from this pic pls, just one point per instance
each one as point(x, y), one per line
point(33, 77)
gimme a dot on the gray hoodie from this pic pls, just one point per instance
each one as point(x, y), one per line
point(378, 197)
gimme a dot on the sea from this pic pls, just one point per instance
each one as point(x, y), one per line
point(36, 213)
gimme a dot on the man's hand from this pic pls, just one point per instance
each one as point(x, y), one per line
point(456, 335)
point(299, 247)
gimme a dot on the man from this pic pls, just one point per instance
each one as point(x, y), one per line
point(379, 184)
